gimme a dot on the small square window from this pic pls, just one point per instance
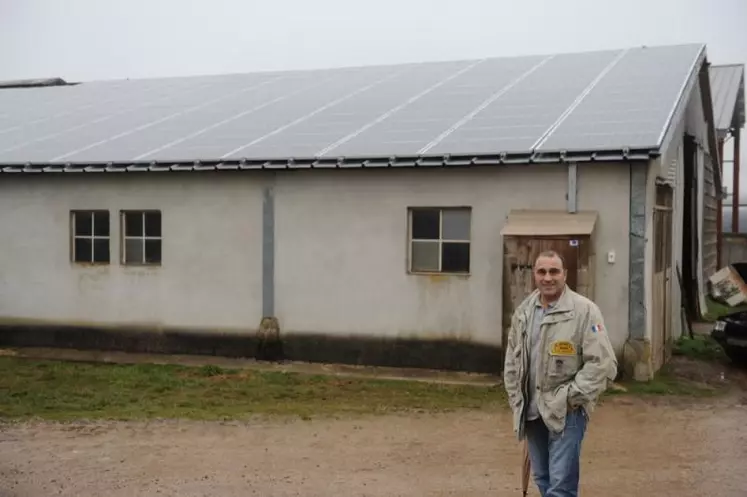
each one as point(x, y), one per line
point(141, 237)
point(440, 240)
point(90, 237)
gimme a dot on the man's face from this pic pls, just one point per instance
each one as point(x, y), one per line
point(549, 276)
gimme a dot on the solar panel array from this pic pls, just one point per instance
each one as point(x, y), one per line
point(606, 100)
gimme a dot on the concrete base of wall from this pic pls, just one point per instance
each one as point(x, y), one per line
point(265, 343)
point(637, 362)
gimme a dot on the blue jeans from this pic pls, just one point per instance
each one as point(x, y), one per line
point(555, 457)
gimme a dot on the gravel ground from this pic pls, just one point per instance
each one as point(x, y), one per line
point(656, 447)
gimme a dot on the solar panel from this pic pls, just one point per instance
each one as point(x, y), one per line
point(631, 104)
point(584, 101)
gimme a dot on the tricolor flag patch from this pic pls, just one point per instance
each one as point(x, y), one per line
point(597, 328)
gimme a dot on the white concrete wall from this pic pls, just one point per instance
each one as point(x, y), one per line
point(606, 188)
point(211, 271)
point(340, 247)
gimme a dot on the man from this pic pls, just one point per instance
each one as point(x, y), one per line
point(558, 361)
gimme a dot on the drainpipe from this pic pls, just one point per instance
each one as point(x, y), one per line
point(572, 197)
point(720, 205)
point(735, 195)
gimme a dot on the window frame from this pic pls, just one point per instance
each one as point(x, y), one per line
point(440, 241)
point(92, 237)
point(143, 238)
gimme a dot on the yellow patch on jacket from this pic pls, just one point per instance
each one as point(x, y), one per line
point(563, 348)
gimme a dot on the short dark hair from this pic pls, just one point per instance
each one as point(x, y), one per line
point(550, 253)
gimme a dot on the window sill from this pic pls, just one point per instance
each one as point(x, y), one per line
point(439, 273)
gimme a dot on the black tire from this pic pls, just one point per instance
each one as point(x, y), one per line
point(738, 355)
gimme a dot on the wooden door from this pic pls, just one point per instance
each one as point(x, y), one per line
point(661, 336)
point(519, 256)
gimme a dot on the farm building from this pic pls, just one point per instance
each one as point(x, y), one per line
point(382, 215)
point(727, 83)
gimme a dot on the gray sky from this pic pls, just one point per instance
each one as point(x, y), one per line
point(82, 40)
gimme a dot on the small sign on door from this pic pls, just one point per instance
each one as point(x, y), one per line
point(573, 243)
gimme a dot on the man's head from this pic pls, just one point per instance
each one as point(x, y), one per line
point(550, 275)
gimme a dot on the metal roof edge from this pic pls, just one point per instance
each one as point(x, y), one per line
point(370, 162)
point(739, 112)
point(736, 64)
point(683, 99)
point(707, 102)
point(33, 83)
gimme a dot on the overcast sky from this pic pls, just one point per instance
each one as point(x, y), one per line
point(82, 40)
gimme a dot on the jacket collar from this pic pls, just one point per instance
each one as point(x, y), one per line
point(563, 304)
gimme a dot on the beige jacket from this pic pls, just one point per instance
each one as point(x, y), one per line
point(574, 371)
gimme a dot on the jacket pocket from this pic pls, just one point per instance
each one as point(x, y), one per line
point(561, 368)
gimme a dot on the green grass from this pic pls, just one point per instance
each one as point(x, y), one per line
point(700, 347)
point(675, 378)
point(62, 391)
point(667, 383)
point(717, 309)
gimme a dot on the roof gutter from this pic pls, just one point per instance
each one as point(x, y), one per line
point(372, 162)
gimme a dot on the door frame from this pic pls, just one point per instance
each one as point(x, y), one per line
point(663, 213)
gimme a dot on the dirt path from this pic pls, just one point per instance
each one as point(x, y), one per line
point(632, 448)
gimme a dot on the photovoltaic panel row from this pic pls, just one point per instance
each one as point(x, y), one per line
point(251, 133)
point(517, 119)
point(46, 138)
point(630, 106)
point(166, 124)
point(130, 133)
point(406, 129)
point(31, 105)
point(87, 111)
point(345, 118)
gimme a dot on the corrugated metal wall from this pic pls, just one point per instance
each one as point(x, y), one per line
point(710, 217)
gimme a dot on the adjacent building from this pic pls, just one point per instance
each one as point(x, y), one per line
point(727, 83)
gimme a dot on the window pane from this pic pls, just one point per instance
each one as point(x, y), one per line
point(82, 250)
point(101, 224)
point(83, 223)
point(153, 251)
point(101, 250)
point(456, 224)
point(455, 258)
point(133, 224)
point(425, 224)
point(424, 256)
point(133, 251)
point(152, 224)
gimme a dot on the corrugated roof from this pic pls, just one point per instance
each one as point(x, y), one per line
point(614, 101)
point(727, 88)
point(523, 222)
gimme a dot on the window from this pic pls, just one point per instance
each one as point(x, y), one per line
point(141, 237)
point(440, 240)
point(90, 232)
